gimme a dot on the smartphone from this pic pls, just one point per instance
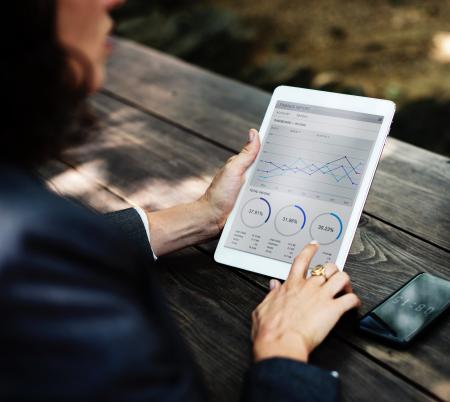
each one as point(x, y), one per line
point(405, 314)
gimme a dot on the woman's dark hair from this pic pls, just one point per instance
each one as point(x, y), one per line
point(45, 109)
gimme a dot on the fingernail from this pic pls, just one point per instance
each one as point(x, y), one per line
point(314, 242)
point(272, 284)
point(251, 135)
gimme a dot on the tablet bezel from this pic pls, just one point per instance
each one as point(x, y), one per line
point(279, 269)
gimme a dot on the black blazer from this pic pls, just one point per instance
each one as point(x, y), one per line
point(82, 317)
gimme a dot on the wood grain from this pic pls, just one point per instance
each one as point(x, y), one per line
point(381, 258)
point(411, 189)
point(71, 184)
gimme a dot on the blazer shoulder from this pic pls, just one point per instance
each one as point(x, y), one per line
point(36, 221)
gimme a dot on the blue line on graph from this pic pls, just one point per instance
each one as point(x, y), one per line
point(334, 168)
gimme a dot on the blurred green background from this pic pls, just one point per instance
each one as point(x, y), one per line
point(394, 49)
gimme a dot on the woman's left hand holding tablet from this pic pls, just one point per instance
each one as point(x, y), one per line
point(196, 222)
point(224, 189)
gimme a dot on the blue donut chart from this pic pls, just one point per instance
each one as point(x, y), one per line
point(325, 226)
point(256, 212)
point(290, 220)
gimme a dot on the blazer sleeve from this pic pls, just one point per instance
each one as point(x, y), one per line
point(280, 379)
point(83, 318)
point(131, 224)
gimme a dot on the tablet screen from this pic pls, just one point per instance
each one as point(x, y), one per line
point(305, 182)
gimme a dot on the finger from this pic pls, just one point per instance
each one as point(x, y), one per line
point(302, 262)
point(330, 270)
point(245, 158)
point(347, 302)
point(317, 280)
point(274, 284)
point(337, 283)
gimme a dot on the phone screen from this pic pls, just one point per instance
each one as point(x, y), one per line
point(409, 309)
point(305, 182)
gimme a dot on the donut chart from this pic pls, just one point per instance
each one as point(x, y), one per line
point(290, 220)
point(256, 212)
point(326, 228)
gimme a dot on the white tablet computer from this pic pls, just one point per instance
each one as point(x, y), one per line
point(309, 182)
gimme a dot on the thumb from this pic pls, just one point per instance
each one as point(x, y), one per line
point(274, 284)
point(245, 158)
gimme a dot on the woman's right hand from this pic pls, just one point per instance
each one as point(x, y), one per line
point(297, 315)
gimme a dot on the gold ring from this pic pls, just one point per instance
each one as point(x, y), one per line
point(319, 270)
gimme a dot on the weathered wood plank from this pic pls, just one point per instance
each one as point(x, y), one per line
point(212, 308)
point(178, 169)
point(71, 184)
point(381, 257)
point(411, 189)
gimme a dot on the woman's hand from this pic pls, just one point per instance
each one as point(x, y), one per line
point(296, 316)
point(196, 222)
point(224, 189)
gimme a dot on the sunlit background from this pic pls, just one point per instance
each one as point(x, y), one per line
point(395, 49)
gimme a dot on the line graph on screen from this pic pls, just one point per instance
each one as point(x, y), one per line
point(319, 167)
point(341, 169)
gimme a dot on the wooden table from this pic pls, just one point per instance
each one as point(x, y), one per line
point(169, 127)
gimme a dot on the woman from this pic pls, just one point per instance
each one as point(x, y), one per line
point(82, 317)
